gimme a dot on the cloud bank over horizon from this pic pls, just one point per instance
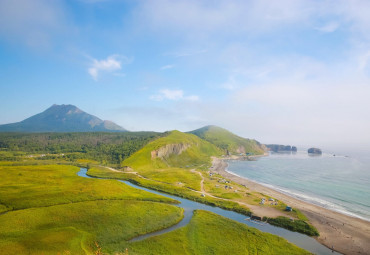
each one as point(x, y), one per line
point(293, 71)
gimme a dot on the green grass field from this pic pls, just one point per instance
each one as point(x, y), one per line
point(209, 233)
point(76, 227)
point(48, 209)
point(43, 185)
point(53, 211)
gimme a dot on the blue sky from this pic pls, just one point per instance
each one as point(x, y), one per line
point(289, 71)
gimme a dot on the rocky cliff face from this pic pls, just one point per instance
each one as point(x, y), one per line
point(241, 149)
point(169, 149)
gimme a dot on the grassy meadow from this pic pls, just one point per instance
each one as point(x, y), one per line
point(45, 208)
point(48, 209)
point(228, 198)
point(44, 185)
point(76, 227)
point(209, 233)
point(101, 216)
point(177, 190)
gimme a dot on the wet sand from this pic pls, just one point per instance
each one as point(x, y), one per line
point(348, 235)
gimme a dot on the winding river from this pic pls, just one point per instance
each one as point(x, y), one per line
point(189, 206)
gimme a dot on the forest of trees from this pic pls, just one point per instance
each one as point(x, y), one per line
point(102, 147)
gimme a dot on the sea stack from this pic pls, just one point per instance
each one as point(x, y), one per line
point(314, 151)
point(280, 148)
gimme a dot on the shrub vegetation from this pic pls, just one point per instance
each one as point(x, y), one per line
point(300, 226)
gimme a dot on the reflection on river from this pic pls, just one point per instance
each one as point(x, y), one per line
point(189, 206)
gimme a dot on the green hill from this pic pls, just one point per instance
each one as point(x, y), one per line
point(177, 149)
point(227, 141)
point(169, 160)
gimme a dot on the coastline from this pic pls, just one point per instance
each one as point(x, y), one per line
point(348, 235)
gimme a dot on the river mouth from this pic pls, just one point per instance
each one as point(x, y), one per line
point(303, 241)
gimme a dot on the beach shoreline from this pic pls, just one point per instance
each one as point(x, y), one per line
point(347, 234)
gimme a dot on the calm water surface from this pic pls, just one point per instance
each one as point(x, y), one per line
point(340, 183)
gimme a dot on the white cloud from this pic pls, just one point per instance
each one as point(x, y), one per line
point(174, 95)
point(33, 22)
point(220, 17)
point(167, 67)
point(356, 13)
point(203, 19)
point(110, 64)
point(325, 110)
point(329, 27)
point(192, 98)
point(364, 60)
point(230, 84)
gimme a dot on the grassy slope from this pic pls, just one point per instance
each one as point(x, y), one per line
point(54, 210)
point(226, 140)
point(197, 154)
point(208, 233)
point(171, 169)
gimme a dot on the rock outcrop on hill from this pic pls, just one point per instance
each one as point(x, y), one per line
point(169, 149)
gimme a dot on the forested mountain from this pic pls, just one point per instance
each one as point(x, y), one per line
point(62, 118)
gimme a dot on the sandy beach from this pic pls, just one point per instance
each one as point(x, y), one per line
point(348, 235)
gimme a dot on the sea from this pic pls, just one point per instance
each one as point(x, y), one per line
point(338, 182)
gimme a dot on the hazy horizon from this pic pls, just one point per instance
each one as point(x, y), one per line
point(287, 72)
